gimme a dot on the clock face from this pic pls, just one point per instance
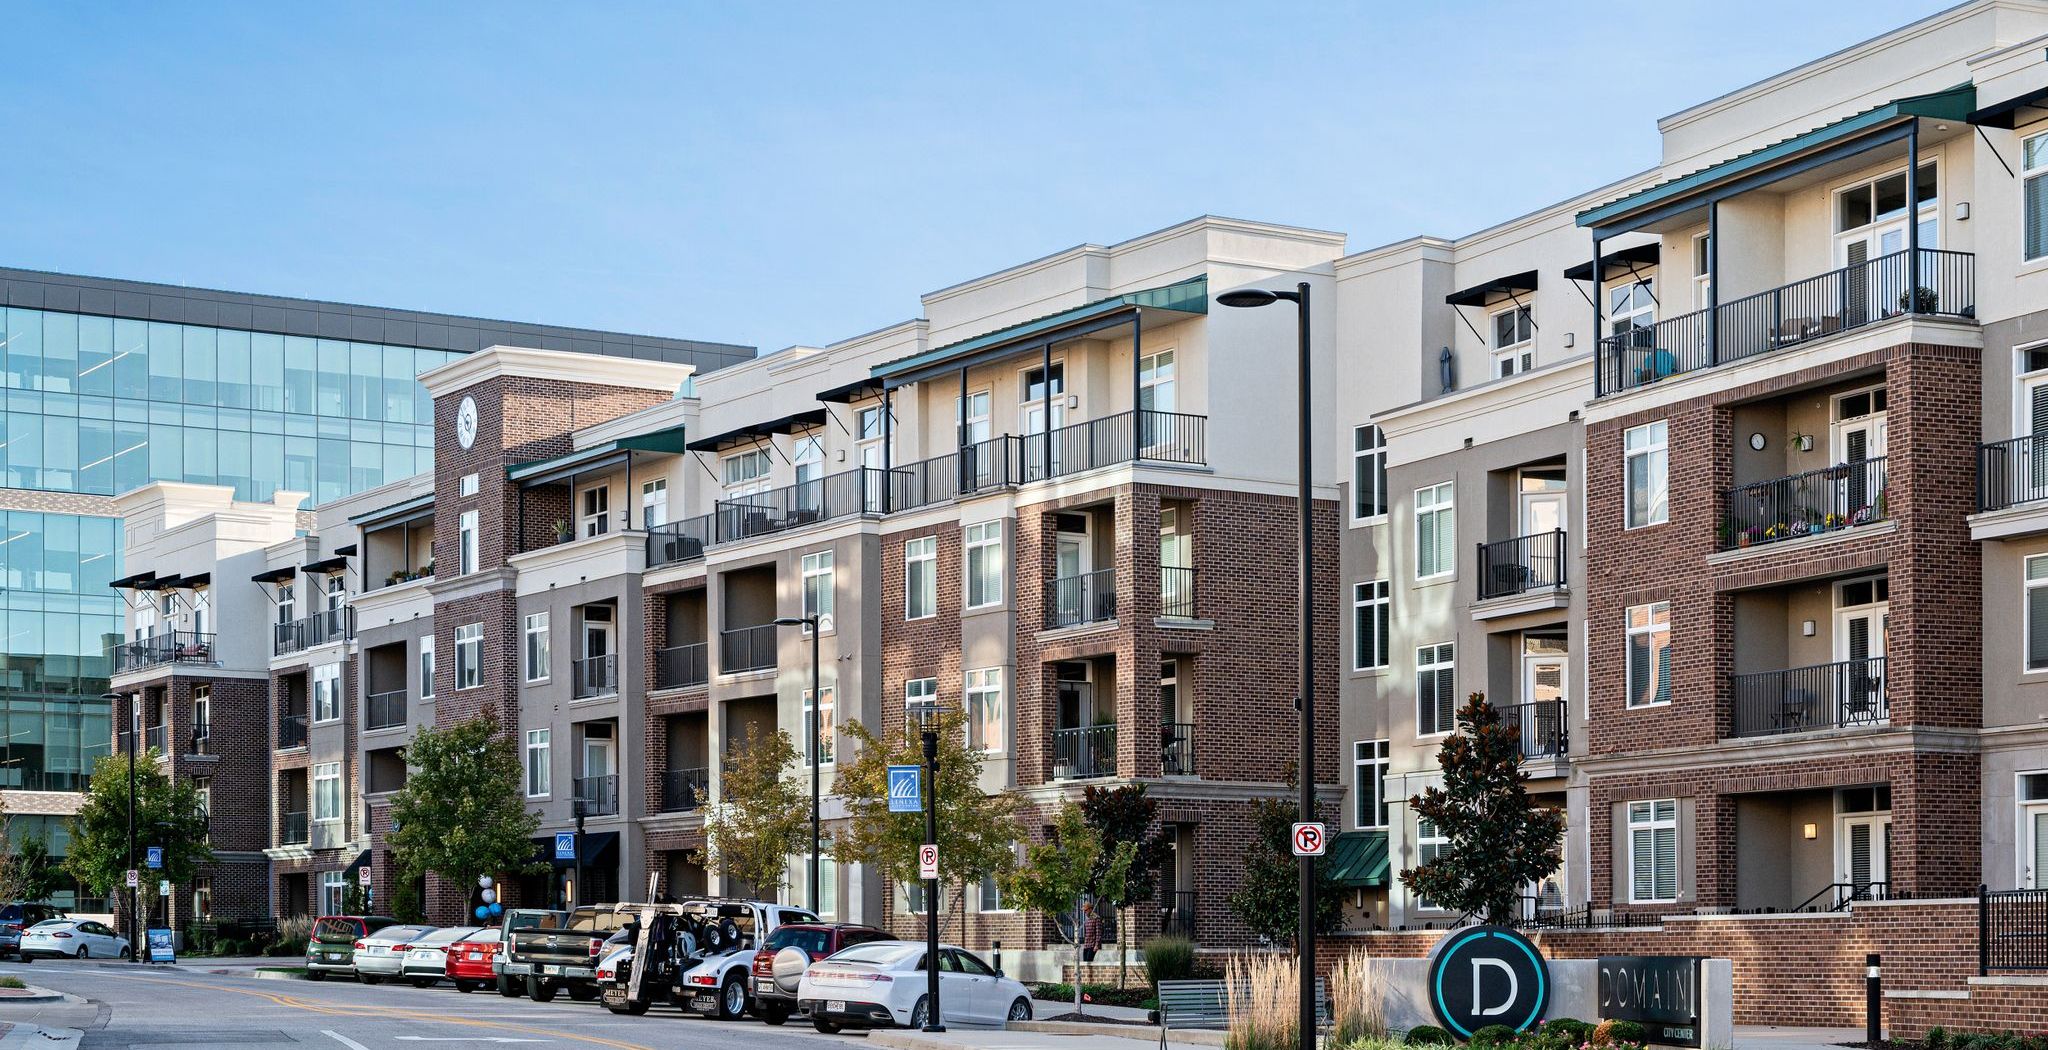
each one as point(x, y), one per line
point(1756, 441)
point(465, 422)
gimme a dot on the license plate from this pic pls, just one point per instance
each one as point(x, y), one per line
point(336, 957)
point(705, 1002)
point(551, 970)
point(764, 986)
point(835, 1006)
point(615, 996)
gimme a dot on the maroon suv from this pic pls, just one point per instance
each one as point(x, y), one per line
point(791, 949)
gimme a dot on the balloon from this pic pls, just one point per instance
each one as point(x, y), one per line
point(483, 912)
point(490, 896)
point(497, 910)
point(484, 881)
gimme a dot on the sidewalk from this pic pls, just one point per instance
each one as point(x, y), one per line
point(964, 1038)
point(1771, 1037)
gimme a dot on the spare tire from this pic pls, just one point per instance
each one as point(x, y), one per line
point(728, 934)
point(788, 966)
point(711, 939)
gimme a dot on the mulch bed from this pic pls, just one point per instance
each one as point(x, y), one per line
point(1095, 1019)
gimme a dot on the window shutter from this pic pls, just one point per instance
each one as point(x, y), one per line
point(1667, 863)
point(1859, 854)
point(1643, 859)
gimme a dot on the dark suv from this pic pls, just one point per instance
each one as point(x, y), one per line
point(17, 917)
point(790, 950)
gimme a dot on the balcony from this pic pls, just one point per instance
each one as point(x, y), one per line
point(746, 649)
point(169, 647)
point(291, 731)
point(2012, 473)
point(1177, 749)
point(1088, 597)
point(596, 676)
point(1540, 726)
point(685, 790)
point(679, 541)
point(980, 467)
point(157, 738)
point(384, 710)
point(1804, 311)
point(1844, 695)
point(794, 506)
point(201, 742)
point(1177, 592)
point(1082, 753)
point(333, 625)
point(296, 831)
point(1843, 496)
point(1521, 565)
point(1127, 437)
point(681, 666)
point(597, 796)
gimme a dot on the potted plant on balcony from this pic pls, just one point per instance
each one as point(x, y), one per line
point(1775, 531)
point(563, 531)
point(1750, 535)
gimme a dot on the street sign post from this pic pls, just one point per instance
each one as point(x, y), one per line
point(163, 887)
point(156, 857)
point(928, 861)
point(134, 878)
point(363, 875)
point(906, 789)
point(1309, 840)
point(565, 845)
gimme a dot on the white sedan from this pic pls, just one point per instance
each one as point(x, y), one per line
point(425, 962)
point(382, 954)
point(883, 983)
point(73, 939)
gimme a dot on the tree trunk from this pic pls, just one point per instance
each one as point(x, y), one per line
point(1080, 938)
point(1123, 945)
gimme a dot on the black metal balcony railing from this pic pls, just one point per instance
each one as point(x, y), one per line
point(2012, 472)
point(1177, 749)
point(201, 742)
point(679, 541)
point(296, 832)
point(2012, 930)
point(1825, 696)
point(157, 738)
point(384, 710)
point(1089, 597)
point(168, 647)
point(746, 649)
point(1541, 727)
point(596, 676)
point(1839, 497)
point(1814, 308)
point(1838, 896)
point(1088, 751)
point(793, 506)
point(332, 625)
point(684, 790)
point(1163, 437)
point(597, 796)
point(1177, 591)
point(1535, 562)
point(681, 665)
point(1177, 913)
point(979, 467)
point(291, 731)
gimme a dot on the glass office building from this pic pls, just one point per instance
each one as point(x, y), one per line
point(110, 385)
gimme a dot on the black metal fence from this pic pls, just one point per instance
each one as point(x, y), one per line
point(1177, 749)
point(1523, 564)
point(296, 831)
point(1088, 751)
point(2012, 472)
point(1088, 597)
point(1160, 437)
point(596, 676)
point(331, 625)
point(291, 731)
point(681, 665)
point(684, 790)
point(597, 796)
point(1843, 496)
point(2012, 930)
point(1540, 726)
point(167, 647)
point(746, 648)
point(794, 506)
point(384, 710)
point(679, 541)
point(1824, 696)
point(1817, 307)
point(1177, 913)
point(1177, 591)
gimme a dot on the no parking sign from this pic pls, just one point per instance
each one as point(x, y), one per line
point(1309, 840)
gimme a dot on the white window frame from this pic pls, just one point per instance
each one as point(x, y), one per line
point(1647, 815)
point(1702, 277)
point(919, 693)
point(1429, 844)
point(329, 774)
point(466, 543)
point(1442, 499)
point(974, 422)
point(326, 681)
point(1370, 758)
point(819, 581)
point(469, 656)
point(594, 510)
point(1513, 358)
point(1371, 602)
point(654, 503)
point(202, 712)
point(1368, 474)
point(333, 890)
point(746, 473)
point(2028, 585)
point(536, 648)
point(920, 552)
point(287, 608)
point(828, 742)
point(983, 687)
point(1651, 626)
point(982, 542)
point(539, 755)
point(427, 667)
point(1437, 659)
point(1159, 371)
point(1640, 314)
point(1654, 445)
point(467, 486)
point(2029, 174)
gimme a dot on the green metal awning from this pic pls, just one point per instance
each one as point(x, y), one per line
point(1359, 859)
point(543, 471)
point(1955, 103)
point(416, 507)
point(1190, 297)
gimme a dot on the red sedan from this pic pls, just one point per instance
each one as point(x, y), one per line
point(470, 960)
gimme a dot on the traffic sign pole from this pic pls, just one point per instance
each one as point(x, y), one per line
point(932, 1016)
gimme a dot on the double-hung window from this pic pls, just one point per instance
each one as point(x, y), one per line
point(746, 473)
point(427, 667)
point(920, 578)
point(1653, 851)
point(538, 661)
point(1436, 531)
point(469, 656)
point(2034, 213)
point(1631, 305)
point(1514, 334)
point(984, 544)
point(1430, 843)
point(539, 747)
point(986, 716)
point(1369, 760)
point(1370, 625)
point(1649, 654)
point(1646, 473)
point(1368, 474)
point(1436, 685)
point(827, 726)
point(327, 792)
point(2036, 612)
point(654, 503)
point(465, 543)
point(919, 695)
point(597, 510)
point(326, 692)
point(818, 577)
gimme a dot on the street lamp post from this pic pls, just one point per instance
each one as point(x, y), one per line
point(928, 721)
point(134, 892)
point(1305, 934)
point(810, 623)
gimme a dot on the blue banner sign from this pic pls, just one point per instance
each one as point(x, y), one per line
point(906, 789)
point(565, 845)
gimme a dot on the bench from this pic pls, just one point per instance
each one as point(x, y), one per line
point(1204, 1004)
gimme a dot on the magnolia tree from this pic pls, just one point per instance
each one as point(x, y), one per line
point(763, 814)
point(1496, 839)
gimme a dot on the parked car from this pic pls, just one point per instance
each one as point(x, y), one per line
point(780, 962)
point(382, 954)
point(882, 983)
point(472, 961)
point(706, 947)
point(332, 948)
point(425, 963)
point(17, 917)
point(511, 972)
point(560, 952)
point(73, 939)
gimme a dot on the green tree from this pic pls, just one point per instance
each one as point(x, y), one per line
point(763, 815)
point(462, 812)
point(1497, 840)
point(167, 814)
point(1060, 873)
point(1126, 815)
point(978, 832)
point(1268, 898)
point(35, 873)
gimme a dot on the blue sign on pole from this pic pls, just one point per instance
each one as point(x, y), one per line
point(906, 789)
point(161, 947)
point(156, 856)
point(565, 845)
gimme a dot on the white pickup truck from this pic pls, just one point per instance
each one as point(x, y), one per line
point(703, 952)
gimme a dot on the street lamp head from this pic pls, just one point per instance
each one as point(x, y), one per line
point(795, 621)
point(1248, 297)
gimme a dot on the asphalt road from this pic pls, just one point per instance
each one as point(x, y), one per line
point(126, 1005)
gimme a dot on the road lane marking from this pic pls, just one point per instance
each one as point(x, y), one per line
point(342, 1039)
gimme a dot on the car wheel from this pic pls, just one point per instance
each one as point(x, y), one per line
point(826, 1027)
point(127, 953)
point(583, 993)
point(315, 975)
point(424, 982)
point(918, 1012)
point(1020, 1010)
point(636, 1007)
point(732, 999)
point(508, 989)
point(464, 987)
point(539, 991)
point(774, 1013)
point(83, 952)
point(367, 979)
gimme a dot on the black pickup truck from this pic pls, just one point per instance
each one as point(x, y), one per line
point(559, 951)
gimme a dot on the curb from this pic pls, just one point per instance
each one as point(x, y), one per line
point(261, 975)
point(1147, 1032)
point(35, 995)
point(28, 1035)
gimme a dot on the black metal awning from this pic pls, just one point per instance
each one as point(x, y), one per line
point(278, 575)
point(136, 581)
point(1483, 294)
point(2008, 114)
point(197, 579)
point(161, 583)
point(346, 550)
point(1618, 263)
point(596, 849)
point(791, 423)
point(324, 565)
point(847, 393)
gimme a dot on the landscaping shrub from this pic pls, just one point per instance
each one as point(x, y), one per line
point(1495, 1035)
point(1937, 1038)
point(11, 982)
point(1261, 1002)
point(1568, 1028)
point(1169, 958)
point(1357, 1001)
point(1429, 1035)
point(1615, 1033)
point(1097, 994)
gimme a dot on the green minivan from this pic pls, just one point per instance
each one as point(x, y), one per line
point(332, 948)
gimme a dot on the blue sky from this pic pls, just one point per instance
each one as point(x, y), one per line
point(794, 173)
